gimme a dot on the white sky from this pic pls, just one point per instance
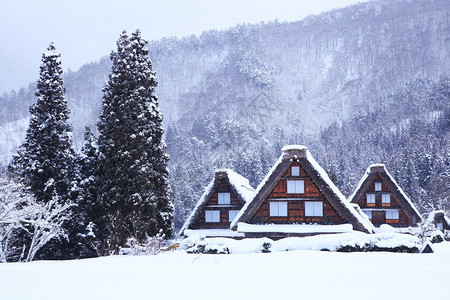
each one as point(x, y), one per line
point(85, 30)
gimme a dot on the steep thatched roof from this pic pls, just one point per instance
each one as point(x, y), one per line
point(403, 200)
point(318, 176)
point(239, 185)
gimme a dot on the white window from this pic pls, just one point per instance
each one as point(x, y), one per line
point(386, 198)
point(370, 198)
point(392, 215)
point(295, 171)
point(295, 186)
point(440, 226)
point(278, 209)
point(313, 209)
point(212, 216)
point(368, 213)
point(377, 186)
point(224, 198)
point(232, 214)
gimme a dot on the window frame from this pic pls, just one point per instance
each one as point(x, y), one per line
point(297, 172)
point(370, 196)
point(384, 201)
point(317, 208)
point(390, 213)
point(274, 209)
point(212, 216)
point(299, 186)
point(219, 198)
point(378, 186)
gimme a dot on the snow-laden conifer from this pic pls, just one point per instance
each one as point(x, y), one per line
point(134, 187)
point(45, 160)
point(88, 210)
point(86, 162)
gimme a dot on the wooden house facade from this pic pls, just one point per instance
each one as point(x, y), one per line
point(220, 203)
point(298, 192)
point(383, 201)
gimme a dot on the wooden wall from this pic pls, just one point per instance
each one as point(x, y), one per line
point(213, 204)
point(403, 220)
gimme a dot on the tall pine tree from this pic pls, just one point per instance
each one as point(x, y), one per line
point(45, 160)
point(133, 173)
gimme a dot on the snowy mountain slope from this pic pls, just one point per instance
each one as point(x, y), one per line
point(329, 65)
point(310, 73)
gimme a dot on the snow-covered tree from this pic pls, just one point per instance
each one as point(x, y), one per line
point(86, 162)
point(45, 160)
point(88, 209)
point(21, 215)
point(134, 190)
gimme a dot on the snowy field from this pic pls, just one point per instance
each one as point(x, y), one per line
point(282, 275)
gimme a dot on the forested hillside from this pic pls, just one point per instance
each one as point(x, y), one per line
point(367, 83)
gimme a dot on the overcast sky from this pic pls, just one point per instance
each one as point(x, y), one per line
point(85, 30)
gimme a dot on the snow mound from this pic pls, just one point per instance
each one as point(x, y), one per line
point(342, 242)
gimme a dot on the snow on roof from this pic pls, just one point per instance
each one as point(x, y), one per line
point(294, 228)
point(240, 184)
point(294, 147)
point(258, 189)
point(399, 189)
point(304, 152)
point(359, 185)
point(367, 224)
point(382, 168)
point(360, 211)
point(200, 202)
point(438, 213)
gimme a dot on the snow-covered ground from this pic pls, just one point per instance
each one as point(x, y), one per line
point(281, 275)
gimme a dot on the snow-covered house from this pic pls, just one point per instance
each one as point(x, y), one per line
point(221, 201)
point(441, 221)
point(297, 198)
point(382, 199)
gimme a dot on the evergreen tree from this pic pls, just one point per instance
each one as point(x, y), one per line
point(87, 169)
point(133, 173)
point(45, 160)
point(89, 212)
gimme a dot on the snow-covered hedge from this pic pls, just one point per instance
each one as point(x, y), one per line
point(345, 242)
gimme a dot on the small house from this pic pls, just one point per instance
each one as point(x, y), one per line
point(382, 199)
point(297, 198)
point(221, 201)
point(441, 221)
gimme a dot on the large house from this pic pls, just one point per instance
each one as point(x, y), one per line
point(382, 199)
point(297, 198)
point(221, 201)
